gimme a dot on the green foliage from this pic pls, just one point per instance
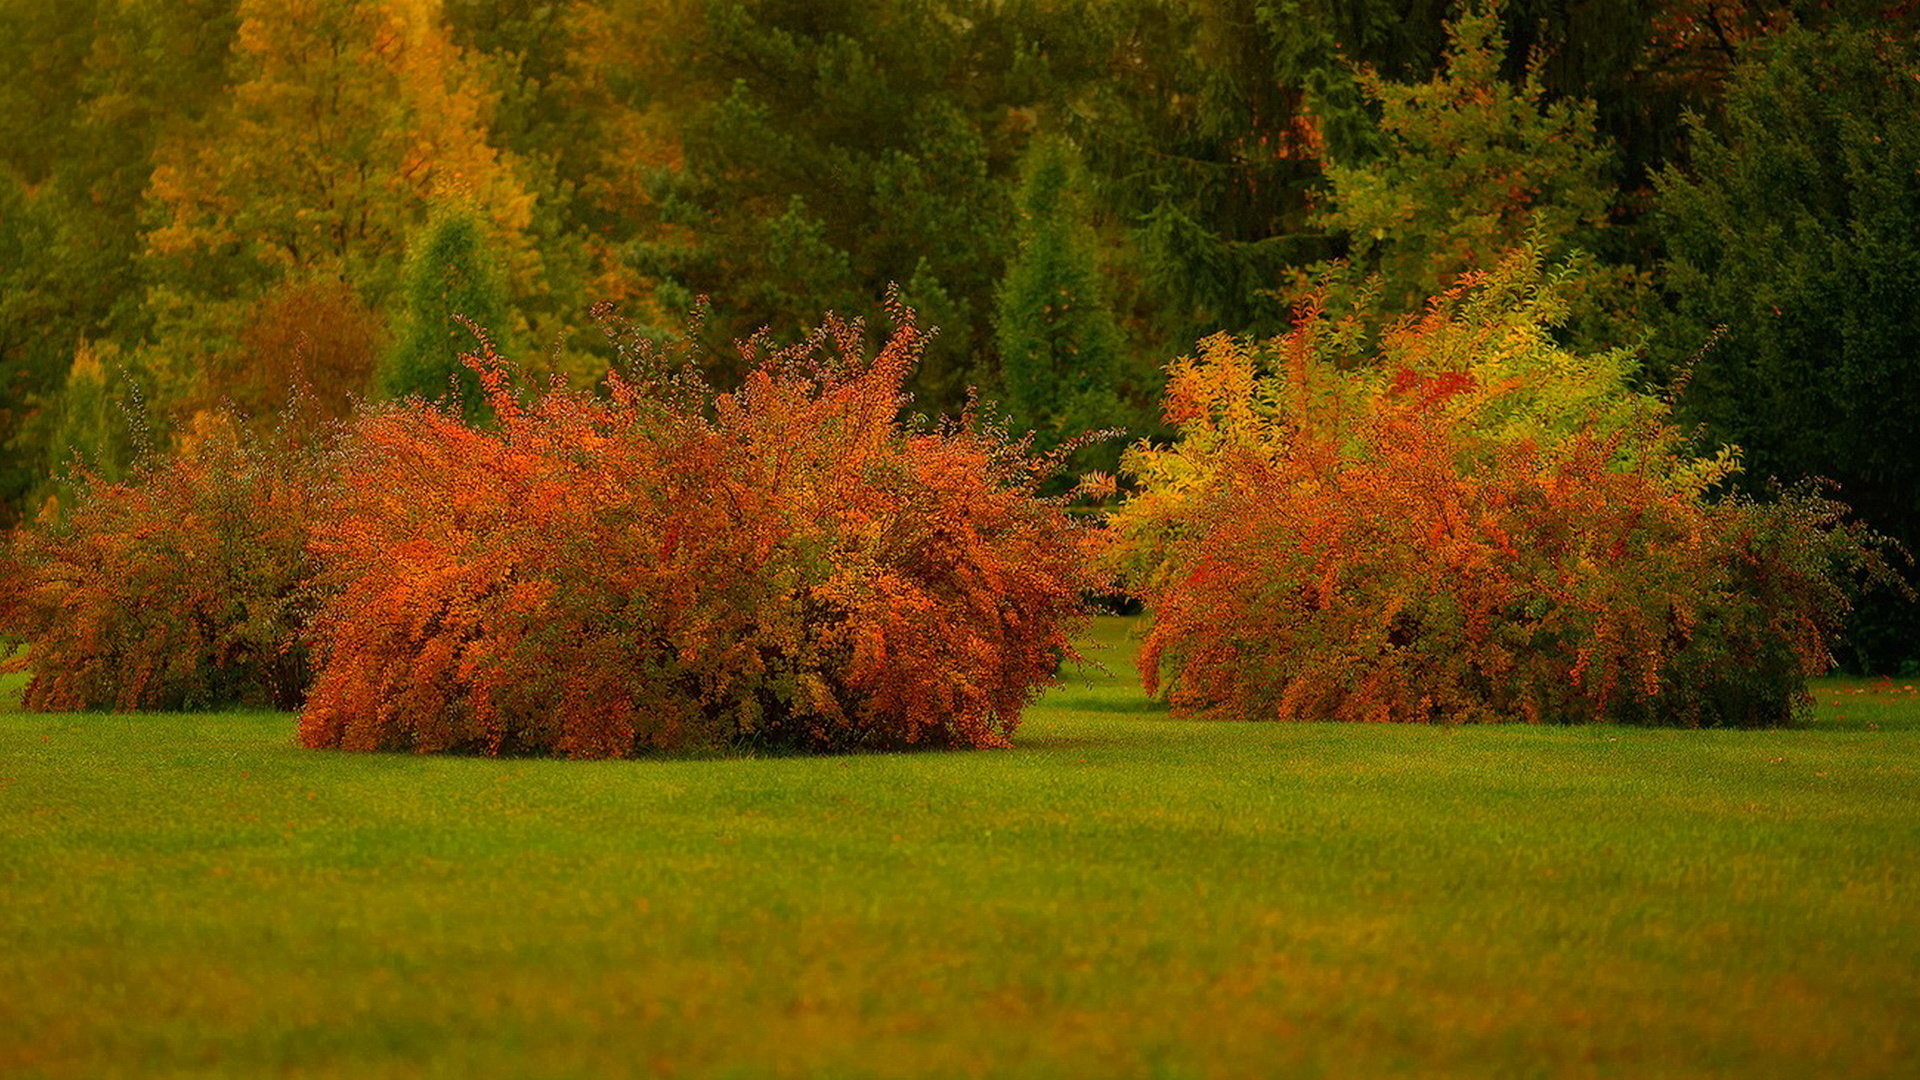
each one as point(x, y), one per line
point(452, 286)
point(568, 113)
point(1467, 166)
point(1192, 120)
point(1060, 345)
point(86, 89)
point(831, 150)
point(99, 423)
point(30, 348)
point(945, 372)
point(1466, 522)
point(1796, 227)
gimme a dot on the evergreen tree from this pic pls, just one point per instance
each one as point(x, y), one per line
point(830, 150)
point(451, 280)
point(1796, 227)
point(947, 365)
point(1060, 345)
point(97, 421)
point(1467, 166)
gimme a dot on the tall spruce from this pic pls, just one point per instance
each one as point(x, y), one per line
point(1060, 344)
point(451, 281)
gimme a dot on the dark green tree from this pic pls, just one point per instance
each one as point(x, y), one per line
point(1194, 125)
point(34, 335)
point(1796, 227)
point(451, 280)
point(1061, 350)
point(834, 148)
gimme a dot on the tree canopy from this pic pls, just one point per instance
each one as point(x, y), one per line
point(229, 203)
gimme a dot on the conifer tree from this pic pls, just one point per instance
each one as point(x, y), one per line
point(1796, 228)
point(1060, 344)
point(1469, 165)
point(451, 281)
point(824, 151)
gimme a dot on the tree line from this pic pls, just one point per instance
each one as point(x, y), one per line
point(285, 206)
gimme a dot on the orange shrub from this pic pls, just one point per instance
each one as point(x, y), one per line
point(665, 567)
point(1464, 522)
point(186, 586)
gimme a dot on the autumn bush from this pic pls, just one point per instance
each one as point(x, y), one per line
point(186, 585)
point(1460, 520)
point(662, 566)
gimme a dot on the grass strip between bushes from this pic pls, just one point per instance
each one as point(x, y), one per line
point(1121, 895)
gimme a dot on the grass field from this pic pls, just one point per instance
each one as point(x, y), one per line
point(1121, 895)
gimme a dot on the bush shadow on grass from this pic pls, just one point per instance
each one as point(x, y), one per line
point(1057, 742)
point(1110, 703)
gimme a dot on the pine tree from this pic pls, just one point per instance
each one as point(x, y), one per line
point(451, 280)
point(1060, 345)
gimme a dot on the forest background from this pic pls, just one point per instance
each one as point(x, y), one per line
point(278, 206)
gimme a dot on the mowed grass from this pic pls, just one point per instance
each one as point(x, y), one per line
point(1122, 895)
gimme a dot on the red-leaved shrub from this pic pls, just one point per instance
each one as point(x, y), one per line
point(664, 567)
point(185, 586)
point(1465, 522)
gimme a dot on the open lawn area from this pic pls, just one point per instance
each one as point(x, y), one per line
point(1121, 895)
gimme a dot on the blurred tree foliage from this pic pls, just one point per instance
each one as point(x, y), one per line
point(215, 198)
point(452, 290)
point(1795, 226)
point(345, 121)
point(1061, 350)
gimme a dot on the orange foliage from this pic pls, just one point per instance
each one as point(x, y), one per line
point(304, 339)
point(187, 586)
point(1472, 528)
point(665, 567)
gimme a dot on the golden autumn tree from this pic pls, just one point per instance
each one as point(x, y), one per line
point(587, 93)
point(344, 120)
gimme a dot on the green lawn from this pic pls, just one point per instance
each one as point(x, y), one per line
point(1119, 896)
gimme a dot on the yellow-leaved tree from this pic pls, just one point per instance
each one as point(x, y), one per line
point(344, 122)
